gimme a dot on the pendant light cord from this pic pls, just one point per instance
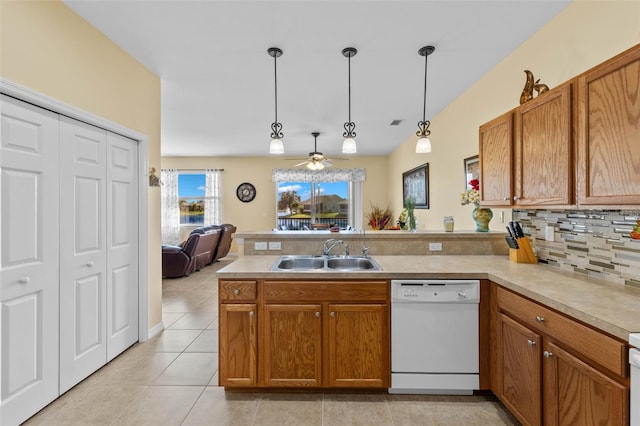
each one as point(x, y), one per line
point(424, 110)
point(275, 78)
point(349, 88)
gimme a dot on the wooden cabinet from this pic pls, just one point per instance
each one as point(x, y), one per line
point(238, 333)
point(609, 132)
point(550, 369)
point(577, 394)
point(543, 150)
point(526, 155)
point(358, 345)
point(292, 349)
point(496, 165)
point(304, 333)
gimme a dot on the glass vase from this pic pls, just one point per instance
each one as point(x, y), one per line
point(482, 217)
point(411, 221)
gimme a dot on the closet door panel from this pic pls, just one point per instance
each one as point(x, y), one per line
point(29, 259)
point(83, 278)
point(122, 243)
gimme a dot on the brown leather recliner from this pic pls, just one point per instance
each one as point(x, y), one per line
point(227, 231)
point(178, 261)
point(206, 248)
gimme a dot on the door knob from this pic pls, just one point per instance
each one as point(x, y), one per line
point(90, 263)
point(24, 280)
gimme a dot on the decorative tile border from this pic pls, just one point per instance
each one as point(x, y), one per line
point(592, 242)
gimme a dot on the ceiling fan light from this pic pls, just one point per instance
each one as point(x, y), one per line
point(276, 146)
point(423, 146)
point(349, 146)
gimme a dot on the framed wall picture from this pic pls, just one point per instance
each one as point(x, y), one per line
point(471, 170)
point(415, 183)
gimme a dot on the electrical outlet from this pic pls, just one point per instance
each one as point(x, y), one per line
point(435, 246)
point(502, 217)
point(548, 233)
point(260, 246)
point(275, 245)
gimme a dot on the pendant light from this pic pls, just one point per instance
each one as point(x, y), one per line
point(349, 144)
point(423, 145)
point(276, 146)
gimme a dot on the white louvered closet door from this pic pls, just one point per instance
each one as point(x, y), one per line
point(29, 259)
point(83, 250)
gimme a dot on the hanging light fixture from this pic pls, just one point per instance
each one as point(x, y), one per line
point(423, 145)
point(349, 144)
point(276, 146)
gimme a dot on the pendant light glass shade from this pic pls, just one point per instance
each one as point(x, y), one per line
point(349, 145)
point(423, 145)
point(276, 146)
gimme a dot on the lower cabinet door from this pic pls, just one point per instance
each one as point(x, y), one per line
point(292, 345)
point(358, 345)
point(238, 344)
point(577, 394)
point(521, 371)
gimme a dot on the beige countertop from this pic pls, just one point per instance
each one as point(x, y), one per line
point(612, 308)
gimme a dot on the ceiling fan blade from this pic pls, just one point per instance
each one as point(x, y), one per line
point(300, 164)
point(339, 158)
point(326, 163)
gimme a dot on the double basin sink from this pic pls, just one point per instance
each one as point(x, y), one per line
point(325, 263)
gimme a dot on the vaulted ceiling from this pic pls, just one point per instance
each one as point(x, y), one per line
point(218, 80)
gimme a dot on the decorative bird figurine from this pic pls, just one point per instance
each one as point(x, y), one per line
point(540, 87)
point(527, 92)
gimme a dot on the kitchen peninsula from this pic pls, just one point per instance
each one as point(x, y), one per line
point(566, 324)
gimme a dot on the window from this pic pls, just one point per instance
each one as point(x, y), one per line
point(313, 205)
point(316, 199)
point(191, 196)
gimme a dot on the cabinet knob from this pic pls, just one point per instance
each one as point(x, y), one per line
point(539, 319)
point(236, 291)
point(547, 354)
point(531, 342)
point(90, 263)
point(24, 280)
point(317, 314)
point(516, 198)
point(506, 198)
point(333, 314)
point(251, 313)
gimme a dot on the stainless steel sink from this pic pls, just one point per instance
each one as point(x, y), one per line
point(325, 263)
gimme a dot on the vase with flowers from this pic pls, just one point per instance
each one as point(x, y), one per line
point(379, 218)
point(482, 216)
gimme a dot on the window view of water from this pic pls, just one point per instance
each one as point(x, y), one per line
point(192, 219)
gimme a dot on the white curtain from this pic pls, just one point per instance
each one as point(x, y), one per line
point(327, 175)
point(170, 207)
point(212, 204)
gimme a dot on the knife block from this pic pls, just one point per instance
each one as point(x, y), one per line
point(524, 252)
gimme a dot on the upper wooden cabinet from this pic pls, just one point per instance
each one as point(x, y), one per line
point(609, 132)
point(496, 153)
point(526, 155)
point(543, 150)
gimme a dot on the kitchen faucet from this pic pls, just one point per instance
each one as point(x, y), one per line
point(365, 249)
point(331, 243)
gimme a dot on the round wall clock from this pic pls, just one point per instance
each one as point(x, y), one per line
point(246, 192)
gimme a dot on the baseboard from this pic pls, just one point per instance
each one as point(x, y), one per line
point(156, 329)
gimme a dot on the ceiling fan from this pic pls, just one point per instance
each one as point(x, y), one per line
point(316, 160)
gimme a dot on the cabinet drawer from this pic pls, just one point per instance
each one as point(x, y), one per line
point(237, 290)
point(583, 340)
point(321, 291)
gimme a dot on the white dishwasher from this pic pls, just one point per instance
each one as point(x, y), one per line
point(435, 336)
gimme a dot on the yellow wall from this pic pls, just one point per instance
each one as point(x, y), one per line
point(585, 34)
point(48, 48)
point(260, 214)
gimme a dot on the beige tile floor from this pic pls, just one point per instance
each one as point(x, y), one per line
point(172, 380)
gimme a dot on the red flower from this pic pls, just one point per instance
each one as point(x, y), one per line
point(475, 184)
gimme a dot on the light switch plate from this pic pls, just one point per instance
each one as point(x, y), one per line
point(435, 246)
point(260, 246)
point(275, 245)
point(548, 233)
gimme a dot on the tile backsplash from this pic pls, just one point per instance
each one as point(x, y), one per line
point(592, 242)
